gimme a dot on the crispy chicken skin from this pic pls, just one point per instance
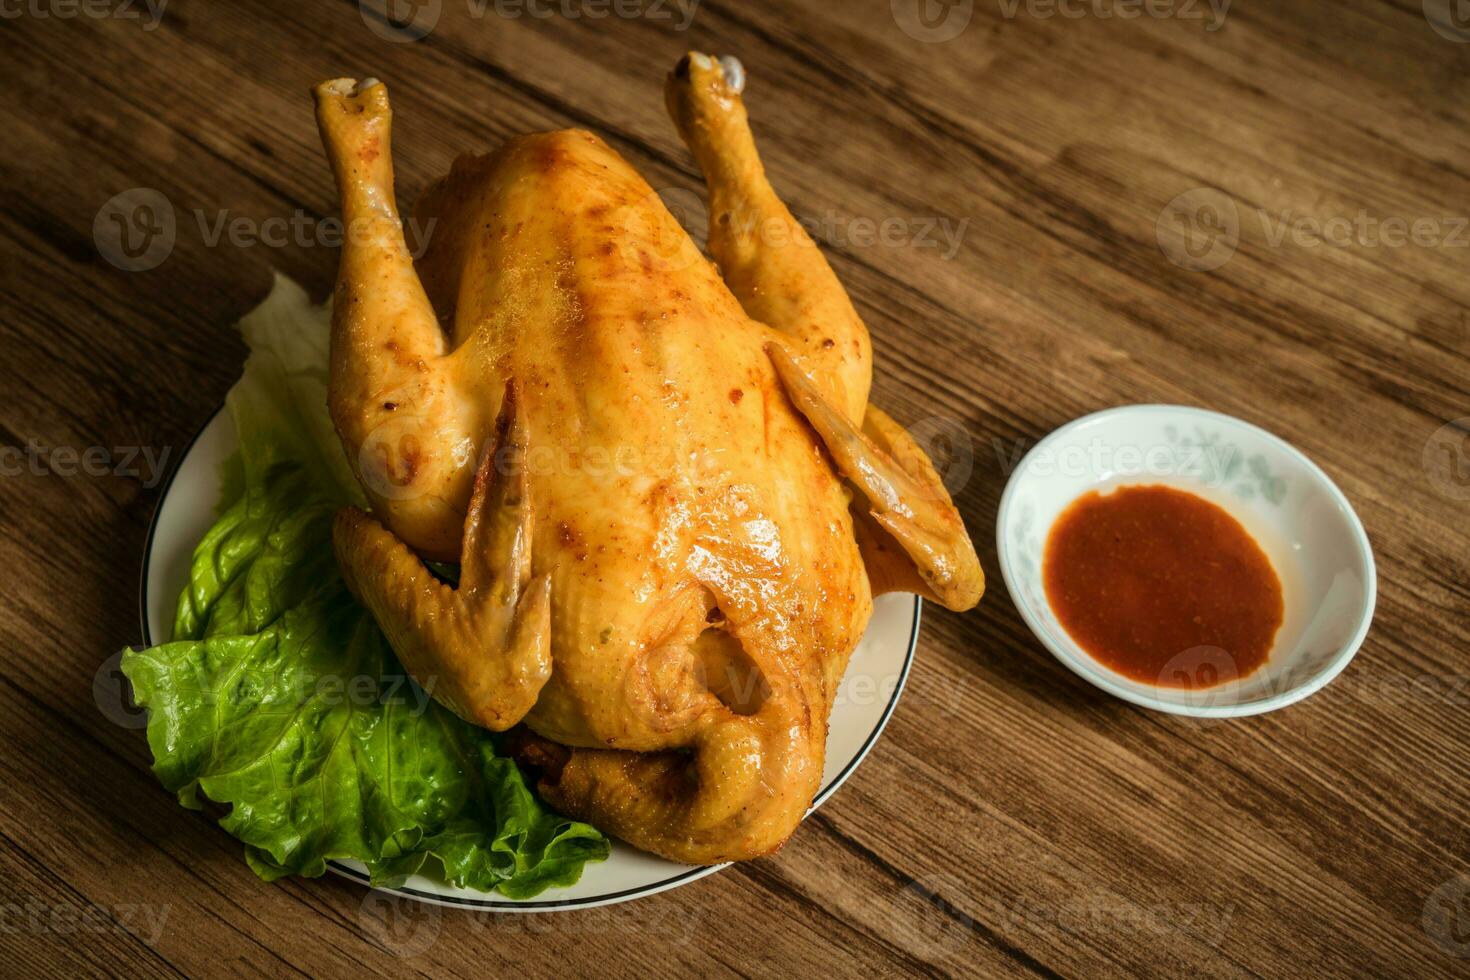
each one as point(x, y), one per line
point(669, 498)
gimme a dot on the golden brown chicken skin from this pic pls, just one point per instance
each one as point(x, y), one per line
point(669, 499)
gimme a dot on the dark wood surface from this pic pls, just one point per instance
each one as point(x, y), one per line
point(1012, 820)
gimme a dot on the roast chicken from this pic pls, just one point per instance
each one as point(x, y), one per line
point(668, 497)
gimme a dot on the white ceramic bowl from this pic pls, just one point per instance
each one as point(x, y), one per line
point(1298, 516)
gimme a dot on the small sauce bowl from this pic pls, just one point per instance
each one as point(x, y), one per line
point(1295, 512)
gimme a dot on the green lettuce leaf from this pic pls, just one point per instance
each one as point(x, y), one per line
point(279, 697)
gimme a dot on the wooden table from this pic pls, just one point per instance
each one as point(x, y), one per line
point(1012, 819)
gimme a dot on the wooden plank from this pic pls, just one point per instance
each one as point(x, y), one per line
point(1013, 820)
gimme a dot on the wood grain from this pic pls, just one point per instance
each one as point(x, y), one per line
point(1012, 820)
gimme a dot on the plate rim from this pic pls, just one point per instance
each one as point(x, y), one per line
point(502, 904)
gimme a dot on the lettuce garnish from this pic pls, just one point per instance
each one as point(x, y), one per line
point(278, 696)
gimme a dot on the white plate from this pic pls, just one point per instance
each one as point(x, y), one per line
point(1294, 511)
point(868, 694)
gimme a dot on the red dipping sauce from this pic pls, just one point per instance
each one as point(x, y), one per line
point(1162, 586)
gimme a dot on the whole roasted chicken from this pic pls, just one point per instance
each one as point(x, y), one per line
point(670, 501)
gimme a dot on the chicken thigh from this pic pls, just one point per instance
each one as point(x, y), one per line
point(669, 499)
